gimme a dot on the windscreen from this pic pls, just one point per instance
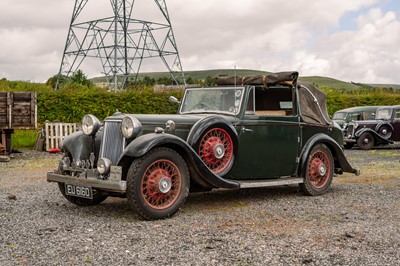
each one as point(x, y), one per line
point(213, 100)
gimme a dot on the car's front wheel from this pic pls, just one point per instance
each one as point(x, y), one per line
point(366, 141)
point(158, 183)
point(319, 171)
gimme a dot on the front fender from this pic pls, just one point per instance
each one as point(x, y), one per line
point(141, 145)
point(378, 138)
point(80, 146)
point(341, 162)
point(200, 126)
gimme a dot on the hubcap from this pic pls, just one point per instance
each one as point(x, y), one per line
point(165, 185)
point(219, 151)
point(322, 169)
point(366, 140)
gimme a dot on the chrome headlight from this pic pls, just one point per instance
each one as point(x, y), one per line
point(90, 125)
point(103, 166)
point(130, 127)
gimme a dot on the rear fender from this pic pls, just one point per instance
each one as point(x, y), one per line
point(341, 162)
point(200, 173)
point(382, 124)
point(378, 138)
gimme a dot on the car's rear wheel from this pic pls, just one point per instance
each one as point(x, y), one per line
point(366, 141)
point(158, 183)
point(385, 131)
point(215, 148)
point(319, 171)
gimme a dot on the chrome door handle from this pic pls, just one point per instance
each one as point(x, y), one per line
point(246, 130)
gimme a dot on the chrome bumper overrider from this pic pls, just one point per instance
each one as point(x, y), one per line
point(114, 183)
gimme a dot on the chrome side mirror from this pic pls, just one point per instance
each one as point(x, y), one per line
point(172, 99)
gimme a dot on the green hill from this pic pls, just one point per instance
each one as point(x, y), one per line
point(316, 80)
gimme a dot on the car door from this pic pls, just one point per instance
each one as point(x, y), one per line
point(396, 124)
point(268, 142)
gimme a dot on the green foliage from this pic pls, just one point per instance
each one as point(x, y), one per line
point(341, 99)
point(24, 139)
point(70, 105)
point(80, 78)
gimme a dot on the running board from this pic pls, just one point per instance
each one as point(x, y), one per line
point(270, 182)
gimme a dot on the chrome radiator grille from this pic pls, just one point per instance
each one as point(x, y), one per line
point(350, 130)
point(113, 142)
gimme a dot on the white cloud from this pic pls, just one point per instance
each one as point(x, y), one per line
point(368, 54)
point(268, 35)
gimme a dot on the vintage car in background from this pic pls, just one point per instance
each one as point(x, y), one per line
point(384, 129)
point(245, 133)
point(344, 116)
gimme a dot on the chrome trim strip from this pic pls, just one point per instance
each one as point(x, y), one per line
point(270, 182)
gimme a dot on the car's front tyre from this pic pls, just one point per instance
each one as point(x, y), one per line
point(319, 171)
point(366, 141)
point(158, 183)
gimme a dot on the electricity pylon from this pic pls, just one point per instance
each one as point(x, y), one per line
point(121, 42)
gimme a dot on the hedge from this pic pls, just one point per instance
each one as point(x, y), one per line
point(70, 105)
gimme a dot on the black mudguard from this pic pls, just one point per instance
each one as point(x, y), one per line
point(80, 145)
point(378, 138)
point(341, 162)
point(200, 126)
point(141, 145)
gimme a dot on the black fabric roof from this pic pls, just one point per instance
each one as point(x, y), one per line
point(312, 101)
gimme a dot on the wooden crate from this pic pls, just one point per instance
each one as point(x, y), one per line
point(18, 110)
point(56, 132)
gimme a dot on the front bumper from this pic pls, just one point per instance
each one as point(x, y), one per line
point(113, 183)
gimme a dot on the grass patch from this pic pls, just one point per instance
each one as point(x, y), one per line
point(376, 172)
point(24, 139)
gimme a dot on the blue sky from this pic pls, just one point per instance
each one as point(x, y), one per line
point(355, 40)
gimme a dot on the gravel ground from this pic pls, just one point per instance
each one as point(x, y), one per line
point(356, 223)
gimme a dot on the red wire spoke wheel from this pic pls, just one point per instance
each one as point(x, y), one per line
point(161, 184)
point(319, 171)
point(157, 184)
point(216, 149)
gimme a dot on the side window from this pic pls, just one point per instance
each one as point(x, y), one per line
point(368, 115)
point(355, 116)
point(251, 103)
point(397, 114)
point(274, 101)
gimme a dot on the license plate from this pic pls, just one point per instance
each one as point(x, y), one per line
point(78, 191)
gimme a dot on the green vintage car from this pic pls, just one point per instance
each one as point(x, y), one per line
point(358, 113)
point(245, 133)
